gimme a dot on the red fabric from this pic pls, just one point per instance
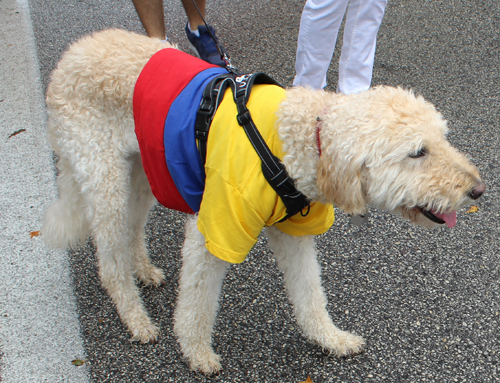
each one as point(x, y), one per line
point(160, 82)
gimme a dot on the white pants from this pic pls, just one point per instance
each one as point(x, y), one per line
point(319, 27)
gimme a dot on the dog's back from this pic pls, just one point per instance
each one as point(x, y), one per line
point(95, 80)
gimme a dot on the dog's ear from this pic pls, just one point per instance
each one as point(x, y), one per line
point(341, 184)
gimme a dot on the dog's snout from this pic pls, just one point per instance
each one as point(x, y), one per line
point(478, 190)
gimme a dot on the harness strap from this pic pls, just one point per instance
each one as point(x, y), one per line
point(273, 169)
point(210, 101)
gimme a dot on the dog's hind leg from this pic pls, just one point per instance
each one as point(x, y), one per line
point(141, 200)
point(199, 288)
point(297, 258)
point(65, 224)
point(107, 188)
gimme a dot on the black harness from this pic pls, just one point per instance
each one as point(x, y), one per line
point(272, 168)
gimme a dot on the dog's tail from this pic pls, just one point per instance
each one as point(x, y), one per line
point(65, 222)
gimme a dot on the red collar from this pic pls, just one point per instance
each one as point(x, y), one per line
point(318, 139)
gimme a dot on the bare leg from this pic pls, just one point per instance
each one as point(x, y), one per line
point(192, 13)
point(152, 18)
point(199, 288)
point(296, 257)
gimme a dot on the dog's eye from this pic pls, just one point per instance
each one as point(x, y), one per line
point(422, 152)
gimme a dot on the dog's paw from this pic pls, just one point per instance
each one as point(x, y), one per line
point(208, 363)
point(151, 276)
point(342, 343)
point(145, 333)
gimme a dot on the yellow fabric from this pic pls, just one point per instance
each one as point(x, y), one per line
point(238, 201)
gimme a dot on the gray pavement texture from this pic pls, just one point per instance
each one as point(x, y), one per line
point(39, 327)
point(425, 301)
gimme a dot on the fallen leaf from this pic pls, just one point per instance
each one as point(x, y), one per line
point(473, 209)
point(35, 233)
point(308, 380)
point(17, 132)
point(78, 362)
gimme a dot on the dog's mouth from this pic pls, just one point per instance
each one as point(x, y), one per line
point(449, 218)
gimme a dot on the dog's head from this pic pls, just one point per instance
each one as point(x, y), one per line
point(387, 147)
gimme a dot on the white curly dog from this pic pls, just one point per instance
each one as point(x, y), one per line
point(384, 147)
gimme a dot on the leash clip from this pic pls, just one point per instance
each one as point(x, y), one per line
point(229, 65)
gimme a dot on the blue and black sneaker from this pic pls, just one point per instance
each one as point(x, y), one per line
point(205, 46)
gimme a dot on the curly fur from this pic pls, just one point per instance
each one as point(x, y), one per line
point(368, 143)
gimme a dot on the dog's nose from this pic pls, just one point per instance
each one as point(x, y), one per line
point(478, 190)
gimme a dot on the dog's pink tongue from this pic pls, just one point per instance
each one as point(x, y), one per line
point(450, 218)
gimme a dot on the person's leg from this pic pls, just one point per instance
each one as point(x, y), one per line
point(151, 14)
point(358, 49)
point(319, 26)
point(194, 17)
point(198, 35)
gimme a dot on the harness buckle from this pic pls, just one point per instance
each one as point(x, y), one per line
point(206, 108)
point(244, 117)
point(201, 134)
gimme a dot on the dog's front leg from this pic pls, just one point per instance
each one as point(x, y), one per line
point(296, 257)
point(199, 288)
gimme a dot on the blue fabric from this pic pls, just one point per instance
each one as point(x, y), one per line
point(181, 153)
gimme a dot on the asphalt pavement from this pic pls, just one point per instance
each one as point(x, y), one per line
point(426, 301)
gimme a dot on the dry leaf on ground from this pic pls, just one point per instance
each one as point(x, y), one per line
point(472, 209)
point(17, 132)
point(77, 362)
point(35, 234)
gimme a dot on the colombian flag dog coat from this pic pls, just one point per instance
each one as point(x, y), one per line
point(233, 199)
